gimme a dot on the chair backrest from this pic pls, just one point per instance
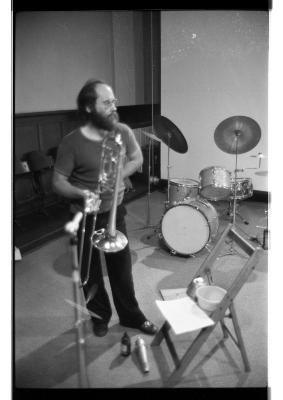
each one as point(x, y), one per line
point(18, 167)
point(37, 161)
point(53, 153)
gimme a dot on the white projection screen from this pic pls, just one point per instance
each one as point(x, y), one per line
point(214, 65)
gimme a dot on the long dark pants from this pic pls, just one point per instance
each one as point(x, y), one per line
point(119, 268)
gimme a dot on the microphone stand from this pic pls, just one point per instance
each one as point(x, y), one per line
point(80, 336)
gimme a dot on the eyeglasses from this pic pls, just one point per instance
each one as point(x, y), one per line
point(109, 103)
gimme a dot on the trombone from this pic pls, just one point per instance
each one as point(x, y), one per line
point(109, 239)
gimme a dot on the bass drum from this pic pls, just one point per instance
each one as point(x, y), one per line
point(187, 228)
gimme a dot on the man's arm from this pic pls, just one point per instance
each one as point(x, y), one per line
point(64, 188)
point(134, 156)
point(133, 163)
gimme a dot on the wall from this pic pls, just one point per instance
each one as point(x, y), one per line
point(214, 65)
point(56, 52)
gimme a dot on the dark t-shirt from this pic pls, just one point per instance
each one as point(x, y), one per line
point(79, 158)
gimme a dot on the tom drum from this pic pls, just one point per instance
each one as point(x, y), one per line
point(244, 188)
point(182, 188)
point(215, 183)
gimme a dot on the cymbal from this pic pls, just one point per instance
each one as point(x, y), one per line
point(169, 134)
point(244, 128)
point(261, 173)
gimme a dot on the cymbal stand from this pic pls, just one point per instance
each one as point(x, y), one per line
point(150, 154)
point(231, 203)
point(149, 181)
point(156, 228)
point(232, 250)
point(168, 170)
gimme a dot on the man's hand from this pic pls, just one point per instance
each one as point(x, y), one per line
point(91, 201)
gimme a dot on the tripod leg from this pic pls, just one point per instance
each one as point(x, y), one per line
point(242, 218)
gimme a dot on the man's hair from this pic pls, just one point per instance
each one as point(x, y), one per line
point(87, 98)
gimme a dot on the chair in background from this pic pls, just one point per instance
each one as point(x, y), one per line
point(52, 152)
point(24, 191)
point(41, 167)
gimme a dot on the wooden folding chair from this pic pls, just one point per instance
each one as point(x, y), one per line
point(224, 309)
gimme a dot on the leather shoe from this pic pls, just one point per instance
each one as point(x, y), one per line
point(146, 327)
point(149, 328)
point(99, 327)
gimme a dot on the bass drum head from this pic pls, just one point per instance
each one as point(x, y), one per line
point(185, 229)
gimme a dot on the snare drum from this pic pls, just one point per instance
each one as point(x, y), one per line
point(187, 228)
point(215, 183)
point(180, 189)
point(244, 188)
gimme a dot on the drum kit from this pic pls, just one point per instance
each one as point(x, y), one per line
point(190, 222)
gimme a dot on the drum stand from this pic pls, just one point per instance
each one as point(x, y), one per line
point(148, 225)
point(151, 179)
point(156, 228)
point(231, 209)
point(232, 250)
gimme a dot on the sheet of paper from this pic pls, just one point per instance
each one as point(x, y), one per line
point(184, 315)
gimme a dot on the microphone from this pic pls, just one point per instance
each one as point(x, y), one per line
point(141, 351)
point(72, 226)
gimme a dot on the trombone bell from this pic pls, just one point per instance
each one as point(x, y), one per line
point(103, 241)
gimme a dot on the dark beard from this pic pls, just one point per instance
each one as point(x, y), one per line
point(105, 123)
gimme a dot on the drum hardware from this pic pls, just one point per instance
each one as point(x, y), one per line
point(264, 242)
point(172, 137)
point(259, 156)
point(150, 147)
point(236, 135)
point(166, 131)
point(265, 234)
point(151, 180)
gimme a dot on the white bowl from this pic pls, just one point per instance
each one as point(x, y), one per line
point(209, 297)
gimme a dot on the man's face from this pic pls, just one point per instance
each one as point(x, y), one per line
point(104, 114)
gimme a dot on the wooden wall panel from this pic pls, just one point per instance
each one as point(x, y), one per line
point(50, 135)
point(41, 131)
point(26, 139)
point(24, 194)
point(68, 126)
point(44, 131)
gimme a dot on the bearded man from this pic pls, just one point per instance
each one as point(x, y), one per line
point(76, 176)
